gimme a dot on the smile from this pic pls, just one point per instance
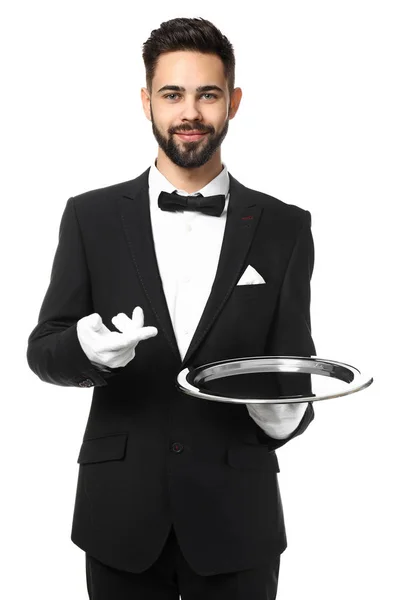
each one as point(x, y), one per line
point(189, 137)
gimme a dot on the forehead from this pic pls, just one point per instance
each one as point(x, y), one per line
point(188, 69)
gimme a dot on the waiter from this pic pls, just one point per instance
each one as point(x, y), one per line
point(178, 495)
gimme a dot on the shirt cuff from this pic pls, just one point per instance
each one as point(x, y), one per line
point(101, 367)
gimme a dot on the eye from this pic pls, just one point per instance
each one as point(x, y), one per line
point(204, 94)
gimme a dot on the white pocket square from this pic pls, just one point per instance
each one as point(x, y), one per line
point(250, 277)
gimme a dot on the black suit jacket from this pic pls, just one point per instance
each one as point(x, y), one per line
point(151, 455)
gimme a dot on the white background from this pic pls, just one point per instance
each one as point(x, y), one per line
point(318, 126)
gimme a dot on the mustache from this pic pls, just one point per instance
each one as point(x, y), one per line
point(192, 128)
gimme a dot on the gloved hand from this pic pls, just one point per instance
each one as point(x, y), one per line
point(110, 348)
point(277, 420)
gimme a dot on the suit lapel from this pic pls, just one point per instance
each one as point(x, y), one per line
point(242, 220)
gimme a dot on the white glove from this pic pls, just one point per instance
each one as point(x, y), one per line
point(110, 348)
point(277, 420)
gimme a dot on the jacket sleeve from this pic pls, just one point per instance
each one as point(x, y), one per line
point(290, 334)
point(54, 352)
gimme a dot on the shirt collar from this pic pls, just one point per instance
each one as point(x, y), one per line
point(159, 183)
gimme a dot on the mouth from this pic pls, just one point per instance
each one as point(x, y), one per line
point(191, 136)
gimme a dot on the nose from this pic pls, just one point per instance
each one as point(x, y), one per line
point(190, 110)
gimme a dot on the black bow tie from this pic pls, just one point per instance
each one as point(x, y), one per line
point(210, 205)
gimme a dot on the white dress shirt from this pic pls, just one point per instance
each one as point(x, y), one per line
point(187, 246)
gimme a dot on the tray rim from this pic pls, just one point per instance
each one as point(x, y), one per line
point(186, 379)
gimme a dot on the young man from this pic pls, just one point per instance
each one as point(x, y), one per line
point(178, 495)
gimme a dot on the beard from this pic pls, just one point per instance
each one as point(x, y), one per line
point(190, 155)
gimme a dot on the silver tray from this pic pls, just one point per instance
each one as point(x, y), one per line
point(194, 381)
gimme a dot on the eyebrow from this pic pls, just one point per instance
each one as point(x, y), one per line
point(201, 88)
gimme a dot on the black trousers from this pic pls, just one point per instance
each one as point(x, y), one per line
point(171, 577)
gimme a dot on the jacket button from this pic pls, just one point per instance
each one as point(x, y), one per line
point(86, 383)
point(177, 447)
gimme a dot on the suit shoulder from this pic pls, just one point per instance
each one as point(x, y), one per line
point(273, 206)
point(283, 210)
point(110, 192)
point(279, 208)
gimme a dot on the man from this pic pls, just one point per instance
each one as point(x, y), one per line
point(178, 495)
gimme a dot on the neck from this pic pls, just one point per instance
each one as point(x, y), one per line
point(189, 180)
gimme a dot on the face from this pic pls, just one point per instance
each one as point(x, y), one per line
point(177, 113)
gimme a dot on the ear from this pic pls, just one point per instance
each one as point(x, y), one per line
point(145, 95)
point(236, 97)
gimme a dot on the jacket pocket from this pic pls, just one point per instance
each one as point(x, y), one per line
point(251, 288)
point(252, 456)
point(101, 449)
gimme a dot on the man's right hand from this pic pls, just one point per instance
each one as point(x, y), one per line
point(110, 348)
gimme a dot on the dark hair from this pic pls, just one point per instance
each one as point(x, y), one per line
point(195, 34)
